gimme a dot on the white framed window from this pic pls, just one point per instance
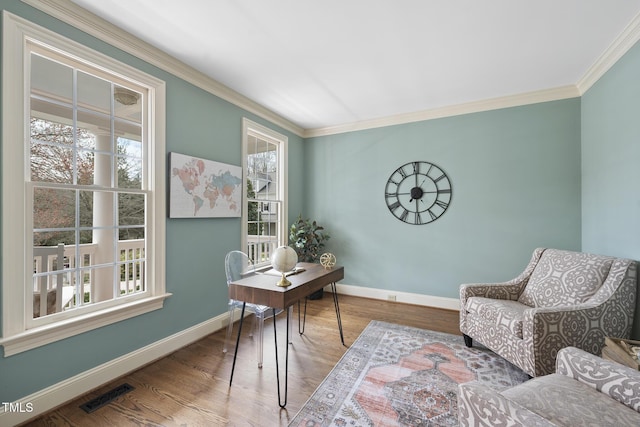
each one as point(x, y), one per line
point(264, 217)
point(83, 164)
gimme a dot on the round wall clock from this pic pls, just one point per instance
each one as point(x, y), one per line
point(418, 193)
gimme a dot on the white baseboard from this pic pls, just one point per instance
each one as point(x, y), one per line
point(58, 394)
point(404, 297)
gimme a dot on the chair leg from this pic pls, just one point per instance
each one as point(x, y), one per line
point(255, 326)
point(260, 325)
point(468, 341)
point(232, 310)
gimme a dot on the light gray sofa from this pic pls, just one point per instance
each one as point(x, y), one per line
point(561, 299)
point(585, 391)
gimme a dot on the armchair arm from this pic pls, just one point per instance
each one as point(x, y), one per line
point(505, 290)
point(617, 381)
point(479, 405)
point(550, 329)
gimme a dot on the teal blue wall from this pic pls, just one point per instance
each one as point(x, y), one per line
point(516, 186)
point(197, 123)
point(611, 163)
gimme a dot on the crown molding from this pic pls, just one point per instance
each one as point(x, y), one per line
point(82, 19)
point(621, 45)
point(563, 92)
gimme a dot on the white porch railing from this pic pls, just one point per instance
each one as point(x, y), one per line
point(132, 257)
point(260, 248)
point(55, 274)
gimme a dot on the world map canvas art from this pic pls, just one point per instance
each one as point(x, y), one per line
point(203, 188)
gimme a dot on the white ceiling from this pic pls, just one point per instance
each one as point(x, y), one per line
point(332, 62)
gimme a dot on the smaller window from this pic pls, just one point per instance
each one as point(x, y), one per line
point(264, 169)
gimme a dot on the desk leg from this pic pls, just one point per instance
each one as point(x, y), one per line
point(235, 352)
point(335, 303)
point(290, 315)
point(303, 322)
point(286, 366)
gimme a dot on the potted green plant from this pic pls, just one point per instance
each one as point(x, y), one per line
point(307, 238)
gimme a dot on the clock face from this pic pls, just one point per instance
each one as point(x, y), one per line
point(418, 193)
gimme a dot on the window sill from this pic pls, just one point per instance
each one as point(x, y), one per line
point(40, 336)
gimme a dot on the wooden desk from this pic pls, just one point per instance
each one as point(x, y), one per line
point(262, 289)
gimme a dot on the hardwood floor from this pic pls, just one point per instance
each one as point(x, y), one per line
point(191, 386)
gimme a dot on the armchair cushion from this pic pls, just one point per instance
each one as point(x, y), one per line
point(564, 401)
point(505, 313)
point(564, 278)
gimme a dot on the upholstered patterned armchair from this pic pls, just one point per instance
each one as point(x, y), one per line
point(561, 299)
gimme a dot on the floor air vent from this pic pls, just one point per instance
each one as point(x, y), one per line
point(106, 398)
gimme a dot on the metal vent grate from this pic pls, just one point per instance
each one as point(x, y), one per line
point(106, 398)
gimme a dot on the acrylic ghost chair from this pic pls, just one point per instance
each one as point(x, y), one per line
point(237, 265)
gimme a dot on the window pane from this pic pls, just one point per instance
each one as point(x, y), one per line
point(51, 79)
point(102, 285)
point(89, 216)
point(53, 209)
point(51, 156)
point(129, 172)
point(81, 280)
point(253, 225)
point(129, 162)
point(132, 275)
point(132, 267)
point(128, 104)
point(86, 237)
point(51, 123)
point(94, 93)
point(51, 164)
point(84, 167)
point(97, 131)
point(131, 209)
point(102, 168)
point(86, 209)
point(262, 167)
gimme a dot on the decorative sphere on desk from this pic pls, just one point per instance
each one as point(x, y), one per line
point(284, 259)
point(327, 260)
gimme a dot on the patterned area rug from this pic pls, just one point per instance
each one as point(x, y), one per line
point(396, 375)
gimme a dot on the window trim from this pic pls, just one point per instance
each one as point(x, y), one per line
point(249, 126)
point(16, 337)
